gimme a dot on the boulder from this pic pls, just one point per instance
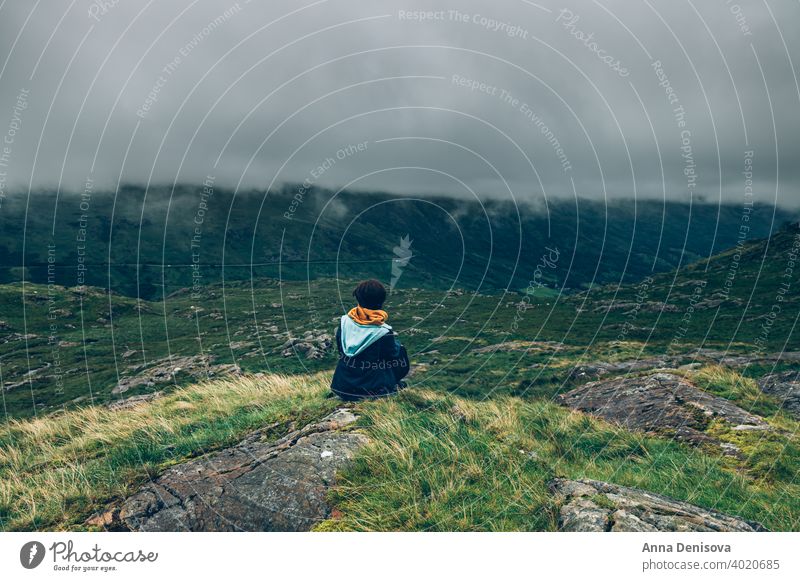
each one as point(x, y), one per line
point(659, 403)
point(594, 506)
point(253, 486)
point(311, 346)
point(786, 388)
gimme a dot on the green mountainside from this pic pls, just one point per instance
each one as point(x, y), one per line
point(64, 346)
point(150, 243)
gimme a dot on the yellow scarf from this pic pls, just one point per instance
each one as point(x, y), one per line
point(364, 316)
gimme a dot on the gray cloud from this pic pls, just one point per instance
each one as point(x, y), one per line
point(260, 93)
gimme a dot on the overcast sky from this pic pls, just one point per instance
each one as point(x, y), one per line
point(512, 98)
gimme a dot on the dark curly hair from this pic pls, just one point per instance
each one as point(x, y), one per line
point(370, 294)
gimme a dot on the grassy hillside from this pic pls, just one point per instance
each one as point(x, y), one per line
point(435, 461)
point(58, 469)
point(445, 463)
point(71, 346)
point(749, 294)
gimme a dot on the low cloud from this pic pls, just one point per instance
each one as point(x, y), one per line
point(519, 100)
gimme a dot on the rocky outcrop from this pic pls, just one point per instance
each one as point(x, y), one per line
point(590, 371)
point(594, 506)
point(167, 369)
point(633, 307)
point(133, 401)
point(11, 337)
point(253, 486)
point(28, 378)
point(733, 360)
point(660, 403)
point(528, 346)
point(786, 388)
point(697, 358)
point(310, 345)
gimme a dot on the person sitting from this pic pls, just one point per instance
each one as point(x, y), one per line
point(372, 362)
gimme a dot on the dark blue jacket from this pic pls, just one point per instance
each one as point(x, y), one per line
point(371, 361)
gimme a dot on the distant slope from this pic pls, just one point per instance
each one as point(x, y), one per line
point(150, 243)
point(69, 346)
point(749, 294)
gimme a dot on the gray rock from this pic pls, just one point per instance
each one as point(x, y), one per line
point(253, 486)
point(165, 371)
point(18, 337)
point(133, 401)
point(28, 378)
point(310, 346)
point(733, 360)
point(581, 514)
point(659, 403)
point(632, 307)
point(594, 506)
point(528, 346)
point(592, 371)
point(786, 388)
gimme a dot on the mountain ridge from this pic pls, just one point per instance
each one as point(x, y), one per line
point(149, 243)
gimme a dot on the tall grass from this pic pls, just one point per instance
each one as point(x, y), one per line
point(731, 384)
point(438, 462)
point(56, 470)
point(434, 462)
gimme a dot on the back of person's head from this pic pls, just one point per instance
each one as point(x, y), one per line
point(370, 294)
